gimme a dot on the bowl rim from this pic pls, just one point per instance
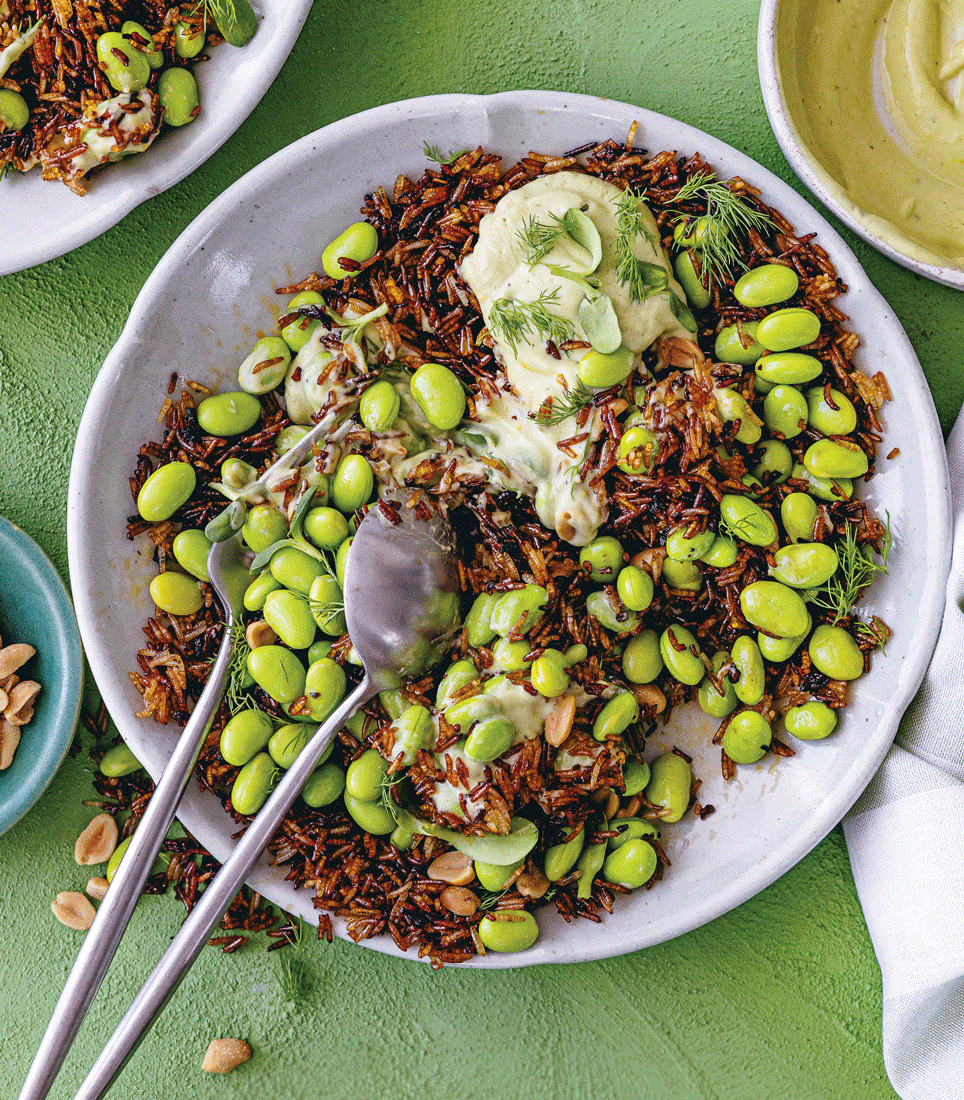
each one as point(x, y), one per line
point(198, 235)
point(806, 165)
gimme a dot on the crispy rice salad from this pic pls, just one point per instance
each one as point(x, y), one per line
point(628, 384)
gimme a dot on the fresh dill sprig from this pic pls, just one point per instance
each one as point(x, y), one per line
point(538, 238)
point(512, 319)
point(857, 570)
point(433, 152)
point(728, 217)
point(291, 968)
point(877, 630)
point(556, 409)
point(639, 276)
point(235, 695)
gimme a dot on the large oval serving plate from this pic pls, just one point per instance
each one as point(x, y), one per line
point(43, 219)
point(200, 312)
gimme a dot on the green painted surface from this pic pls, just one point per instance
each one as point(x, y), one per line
point(781, 997)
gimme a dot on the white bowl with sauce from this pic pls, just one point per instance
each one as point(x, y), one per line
point(866, 98)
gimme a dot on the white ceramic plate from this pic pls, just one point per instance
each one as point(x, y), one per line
point(201, 310)
point(40, 220)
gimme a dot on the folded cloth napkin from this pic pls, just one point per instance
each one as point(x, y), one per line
point(905, 838)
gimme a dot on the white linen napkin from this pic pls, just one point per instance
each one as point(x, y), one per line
point(905, 838)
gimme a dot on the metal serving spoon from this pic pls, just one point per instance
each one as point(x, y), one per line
point(401, 589)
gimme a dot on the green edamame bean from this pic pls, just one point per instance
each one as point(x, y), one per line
point(119, 761)
point(508, 931)
point(766, 285)
point(227, 414)
point(298, 331)
point(635, 588)
point(176, 593)
point(439, 394)
point(188, 40)
point(791, 367)
point(288, 615)
point(494, 876)
point(561, 858)
point(115, 860)
point(811, 722)
point(519, 610)
point(457, 676)
point(14, 112)
point(126, 68)
point(680, 547)
point(379, 406)
point(236, 22)
point(637, 451)
point(509, 656)
point(729, 348)
point(287, 742)
point(320, 649)
point(599, 370)
point(326, 527)
point(680, 652)
point(788, 328)
point(698, 294)
point(598, 605)
point(633, 864)
point(824, 488)
point(357, 243)
point(774, 608)
point(327, 605)
point(589, 864)
point(747, 737)
point(804, 564)
point(258, 591)
point(165, 491)
point(669, 786)
point(616, 716)
point(722, 553)
point(352, 484)
point(635, 778)
point(263, 526)
point(834, 653)
point(747, 520)
point(733, 406)
point(366, 776)
point(774, 462)
point(324, 785)
point(799, 513)
point(236, 473)
point(574, 654)
point(325, 686)
point(478, 622)
point(244, 736)
point(490, 738)
point(254, 782)
point(341, 560)
point(834, 417)
point(746, 656)
point(266, 366)
point(689, 231)
point(710, 700)
point(288, 438)
point(685, 575)
point(782, 649)
point(465, 712)
point(829, 459)
point(278, 672)
point(372, 817)
point(629, 829)
point(191, 549)
point(549, 676)
point(141, 39)
point(641, 659)
point(602, 559)
point(413, 731)
point(178, 95)
point(295, 569)
point(785, 411)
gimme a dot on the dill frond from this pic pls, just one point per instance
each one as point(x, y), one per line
point(512, 319)
point(433, 152)
point(554, 410)
point(857, 570)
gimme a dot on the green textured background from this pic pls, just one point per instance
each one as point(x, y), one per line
point(780, 998)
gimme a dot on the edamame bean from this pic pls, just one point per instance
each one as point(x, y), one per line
point(176, 593)
point(709, 698)
point(635, 588)
point(766, 285)
point(372, 817)
point(141, 39)
point(616, 716)
point(244, 736)
point(278, 672)
point(326, 527)
point(457, 676)
point(178, 95)
point(641, 658)
point(811, 722)
point(366, 776)
point(689, 231)
point(834, 653)
point(266, 366)
point(637, 451)
point(478, 622)
point(227, 414)
point(254, 782)
point(774, 463)
point(834, 417)
point(325, 686)
point(549, 676)
point(287, 742)
point(829, 459)
point(799, 513)
point(379, 406)
point(602, 559)
point(236, 22)
point(824, 488)
point(295, 569)
point(191, 549)
point(126, 68)
point(599, 370)
point(782, 649)
point(322, 649)
point(236, 473)
point(733, 406)
point(685, 575)
point(518, 610)
point(327, 605)
point(629, 829)
point(508, 931)
point(14, 112)
point(263, 526)
point(788, 328)
point(785, 411)
point(463, 714)
point(747, 737)
point(258, 591)
point(352, 484)
point(494, 876)
point(165, 491)
point(561, 858)
point(729, 348)
point(490, 738)
point(680, 652)
point(357, 243)
point(633, 864)
point(635, 778)
point(324, 785)
point(746, 656)
point(698, 294)
point(509, 656)
point(774, 608)
point(119, 761)
point(621, 622)
point(413, 731)
point(747, 520)
point(589, 864)
point(341, 560)
point(115, 860)
point(439, 394)
point(722, 553)
point(288, 615)
point(669, 786)
point(188, 40)
point(804, 564)
point(791, 367)
point(681, 547)
point(298, 331)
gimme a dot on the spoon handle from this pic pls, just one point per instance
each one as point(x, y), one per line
point(114, 912)
point(204, 917)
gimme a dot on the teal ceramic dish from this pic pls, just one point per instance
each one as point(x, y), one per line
point(35, 608)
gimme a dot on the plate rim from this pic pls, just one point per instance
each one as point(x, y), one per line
point(772, 867)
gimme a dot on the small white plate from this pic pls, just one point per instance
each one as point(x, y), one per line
point(205, 304)
point(43, 219)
